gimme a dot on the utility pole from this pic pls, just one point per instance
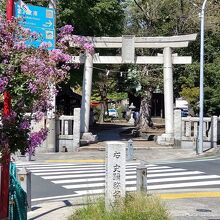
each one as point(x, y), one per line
point(201, 97)
point(51, 138)
point(4, 199)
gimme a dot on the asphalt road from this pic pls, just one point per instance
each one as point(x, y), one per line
point(63, 181)
point(207, 165)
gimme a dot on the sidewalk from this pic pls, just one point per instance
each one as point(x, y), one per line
point(181, 209)
point(196, 208)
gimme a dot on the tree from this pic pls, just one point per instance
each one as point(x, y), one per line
point(27, 73)
point(92, 17)
point(174, 17)
point(2, 7)
point(105, 90)
point(89, 17)
point(142, 82)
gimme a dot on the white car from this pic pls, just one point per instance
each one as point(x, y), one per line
point(112, 113)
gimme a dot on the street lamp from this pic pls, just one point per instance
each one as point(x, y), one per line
point(201, 97)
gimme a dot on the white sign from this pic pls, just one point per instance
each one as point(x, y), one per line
point(115, 173)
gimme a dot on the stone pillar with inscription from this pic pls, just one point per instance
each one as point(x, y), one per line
point(177, 128)
point(115, 173)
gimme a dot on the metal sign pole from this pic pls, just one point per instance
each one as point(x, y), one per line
point(201, 97)
point(51, 139)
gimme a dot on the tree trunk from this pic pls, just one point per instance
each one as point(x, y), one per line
point(145, 113)
point(102, 112)
point(104, 104)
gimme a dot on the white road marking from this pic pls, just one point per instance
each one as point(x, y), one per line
point(83, 181)
point(182, 185)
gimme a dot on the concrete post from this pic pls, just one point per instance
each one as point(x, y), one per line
point(115, 173)
point(86, 94)
point(214, 131)
point(177, 128)
point(76, 129)
point(24, 177)
point(168, 91)
point(141, 178)
point(130, 151)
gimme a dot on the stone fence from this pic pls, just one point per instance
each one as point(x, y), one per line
point(186, 130)
point(67, 132)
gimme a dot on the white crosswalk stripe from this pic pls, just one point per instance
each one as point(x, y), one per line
point(89, 179)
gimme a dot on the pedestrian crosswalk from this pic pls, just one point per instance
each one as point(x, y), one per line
point(89, 179)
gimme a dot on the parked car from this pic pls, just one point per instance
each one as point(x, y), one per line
point(112, 113)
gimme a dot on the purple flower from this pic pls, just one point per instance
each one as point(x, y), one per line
point(26, 31)
point(44, 45)
point(38, 115)
point(58, 56)
point(37, 138)
point(88, 47)
point(24, 125)
point(82, 42)
point(32, 87)
point(3, 83)
point(67, 29)
point(9, 118)
point(20, 45)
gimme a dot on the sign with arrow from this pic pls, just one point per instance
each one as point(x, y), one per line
point(37, 19)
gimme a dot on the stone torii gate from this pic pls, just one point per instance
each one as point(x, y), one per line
point(128, 43)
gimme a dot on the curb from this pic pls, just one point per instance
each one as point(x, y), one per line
point(76, 161)
point(189, 195)
point(102, 148)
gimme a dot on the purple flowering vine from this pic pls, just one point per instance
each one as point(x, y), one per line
point(28, 73)
point(35, 139)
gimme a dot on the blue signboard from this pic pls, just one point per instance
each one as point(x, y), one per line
point(35, 15)
point(37, 19)
point(46, 35)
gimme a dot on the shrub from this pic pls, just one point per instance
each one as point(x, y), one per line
point(136, 207)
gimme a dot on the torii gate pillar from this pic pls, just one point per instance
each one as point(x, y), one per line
point(168, 91)
point(86, 94)
point(86, 136)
